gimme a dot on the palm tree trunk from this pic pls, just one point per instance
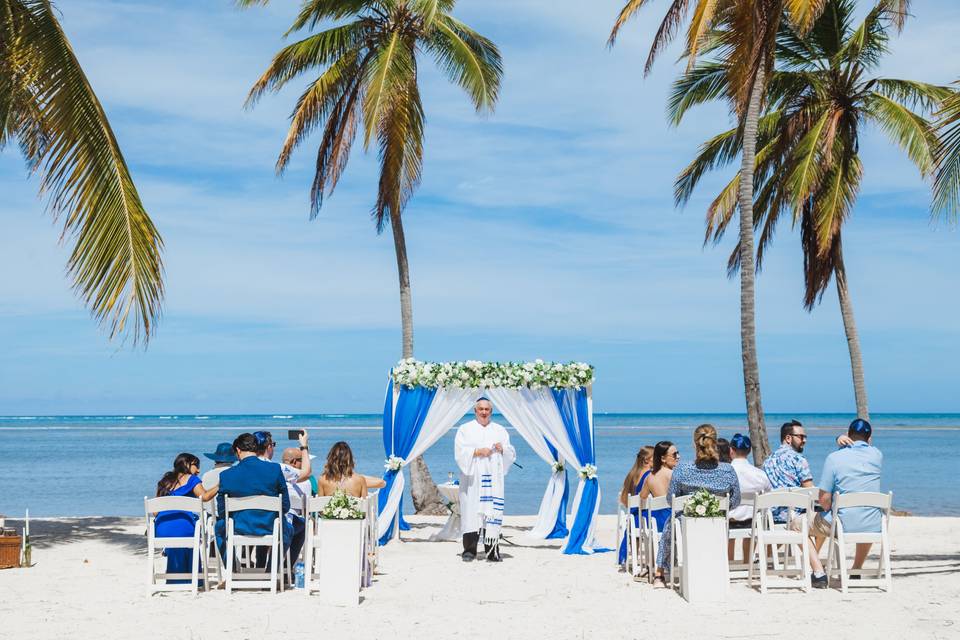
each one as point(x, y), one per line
point(853, 339)
point(748, 329)
point(426, 497)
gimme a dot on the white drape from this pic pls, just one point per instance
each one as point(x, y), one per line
point(448, 406)
point(516, 409)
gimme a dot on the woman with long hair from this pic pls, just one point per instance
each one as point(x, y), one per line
point(631, 486)
point(705, 472)
point(338, 473)
point(665, 458)
point(182, 480)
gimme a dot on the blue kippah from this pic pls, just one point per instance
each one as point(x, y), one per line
point(261, 437)
point(740, 442)
point(861, 426)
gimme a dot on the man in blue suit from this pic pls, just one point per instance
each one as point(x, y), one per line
point(251, 476)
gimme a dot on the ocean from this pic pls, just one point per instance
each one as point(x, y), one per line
point(105, 465)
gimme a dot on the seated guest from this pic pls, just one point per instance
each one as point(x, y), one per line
point(251, 477)
point(338, 473)
point(851, 469)
point(265, 445)
point(786, 467)
point(223, 458)
point(723, 448)
point(752, 480)
point(665, 458)
point(297, 472)
point(181, 481)
point(631, 486)
point(705, 472)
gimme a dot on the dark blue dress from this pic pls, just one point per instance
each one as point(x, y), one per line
point(636, 519)
point(178, 524)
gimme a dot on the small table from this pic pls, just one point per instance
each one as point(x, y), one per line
point(451, 528)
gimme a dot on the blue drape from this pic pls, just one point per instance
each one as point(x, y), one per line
point(401, 427)
point(560, 528)
point(575, 412)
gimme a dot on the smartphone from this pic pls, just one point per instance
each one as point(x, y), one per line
point(294, 434)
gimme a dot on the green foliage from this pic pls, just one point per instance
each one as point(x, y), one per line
point(48, 106)
point(703, 504)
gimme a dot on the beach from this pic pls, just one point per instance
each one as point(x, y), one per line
point(89, 582)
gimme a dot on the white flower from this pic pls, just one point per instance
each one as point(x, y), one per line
point(701, 510)
point(393, 463)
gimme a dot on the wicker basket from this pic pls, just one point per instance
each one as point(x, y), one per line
point(10, 551)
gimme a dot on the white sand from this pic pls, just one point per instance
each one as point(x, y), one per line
point(89, 583)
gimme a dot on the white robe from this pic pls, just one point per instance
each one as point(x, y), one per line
point(470, 437)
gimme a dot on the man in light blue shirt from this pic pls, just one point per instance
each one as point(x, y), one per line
point(853, 468)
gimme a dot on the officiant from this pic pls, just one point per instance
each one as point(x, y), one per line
point(484, 454)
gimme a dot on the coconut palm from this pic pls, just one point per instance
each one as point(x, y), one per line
point(367, 81)
point(946, 185)
point(748, 48)
point(820, 96)
point(49, 109)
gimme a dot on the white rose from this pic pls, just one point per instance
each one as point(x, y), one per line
point(701, 510)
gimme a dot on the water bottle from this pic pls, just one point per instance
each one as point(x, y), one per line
point(298, 574)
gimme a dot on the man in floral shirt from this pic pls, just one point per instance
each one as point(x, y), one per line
point(786, 467)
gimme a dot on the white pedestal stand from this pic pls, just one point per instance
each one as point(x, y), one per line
point(705, 575)
point(340, 554)
point(451, 528)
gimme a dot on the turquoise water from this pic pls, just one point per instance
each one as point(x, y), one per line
point(105, 465)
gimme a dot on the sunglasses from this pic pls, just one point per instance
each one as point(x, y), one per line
point(675, 454)
point(802, 436)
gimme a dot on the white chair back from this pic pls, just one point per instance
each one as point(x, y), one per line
point(882, 576)
point(882, 501)
point(274, 540)
point(195, 542)
point(773, 499)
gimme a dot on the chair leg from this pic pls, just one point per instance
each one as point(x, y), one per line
point(842, 564)
point(229, 564)
point(195, 566)
point(753, 540)
point(763, 567)
point(151, 568)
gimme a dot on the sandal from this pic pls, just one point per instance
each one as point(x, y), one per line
point(658, 583)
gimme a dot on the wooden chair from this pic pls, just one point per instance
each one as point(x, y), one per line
point(246, 578)
point(195, 543)
point(881, 576)
point(764, 533)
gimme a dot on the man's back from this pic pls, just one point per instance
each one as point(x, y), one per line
point(253, 477)
point(852, 469)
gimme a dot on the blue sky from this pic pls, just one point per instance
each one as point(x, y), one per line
point(545, 230)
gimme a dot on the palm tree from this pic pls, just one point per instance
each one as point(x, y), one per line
point(946, 184)
point(49, 108)
point(748, 49)
point(368, 80)
point(820, 96)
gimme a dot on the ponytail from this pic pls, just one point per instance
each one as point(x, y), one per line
point(705, 444)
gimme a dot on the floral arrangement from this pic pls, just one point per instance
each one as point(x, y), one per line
point(589, 472)
point(393, 463)
point(475, 374)
point(557, 466)
point(703, 504)
point(342, 507)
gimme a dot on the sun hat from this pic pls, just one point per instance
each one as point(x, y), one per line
point(224, 453)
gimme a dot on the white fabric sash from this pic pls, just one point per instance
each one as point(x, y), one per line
point(490, 473)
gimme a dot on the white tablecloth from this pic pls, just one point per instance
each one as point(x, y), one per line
point(451, 529)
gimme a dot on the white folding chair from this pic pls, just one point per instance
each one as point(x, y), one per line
point(676, 555)
point(621, 529)
point(373, 537)
point(212, 562)
point(649, 532)
point(764, 533)
point(312, 506)
point(195, 543)
point(879, 577)
point(636, 549)
point(245, 578)
point(736, 535)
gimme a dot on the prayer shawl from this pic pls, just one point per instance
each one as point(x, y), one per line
point(491, 497)
point(482, 477)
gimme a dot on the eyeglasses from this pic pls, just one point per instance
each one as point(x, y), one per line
point(802, 436)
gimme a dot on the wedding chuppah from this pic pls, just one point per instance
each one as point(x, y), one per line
point(549, 404)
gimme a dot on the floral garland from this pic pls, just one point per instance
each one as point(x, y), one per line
point(393, 463)
point(589, 472)
point(557, 466)
point(342, 507)
point(475, 374)
point(703, 504)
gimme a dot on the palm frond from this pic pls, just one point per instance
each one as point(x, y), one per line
point(803, 13)
point(705, 82)
point(946, 179)
point(317, 50)
point(391, 68)
point(115, 262)
point(912, 94)
point(629, 10)
point(910, 131)
point(401, 154)
point(315, 12)
point(468, 59)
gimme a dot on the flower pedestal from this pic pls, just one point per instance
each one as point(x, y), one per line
point(705, 574)
point(340, 558)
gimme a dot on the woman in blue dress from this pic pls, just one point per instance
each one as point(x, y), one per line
point(665, 458)
point(631, 486)
point(706, 472)
point(181, 481)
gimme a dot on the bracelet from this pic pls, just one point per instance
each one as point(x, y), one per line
point(304, 448)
